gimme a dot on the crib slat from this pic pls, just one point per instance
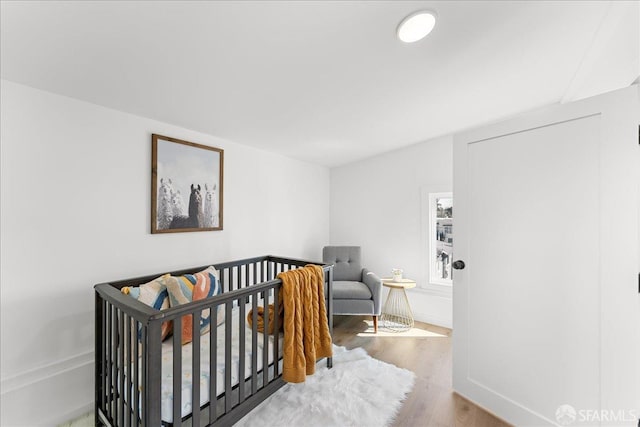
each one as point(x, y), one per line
point(136, 376)
point(276, 329)
point(222, 280)
point(119, 364)
point(114, 368)
point(103, 356)
point(177, 372)
point(105, 360)
point(127, 357)
point(254, 344)
point(213, 365)
point(108, 362)
point(107, 356)
point(114, 364)
point(99, 349)
point(329, 299)
point(121, 389)
point(144, 411)
point(242, 280)
point(228, 403)
point(195, 370)
point(231, 282)
point(152, 386)
point(255, 273)
point(265, 346)
point(242, 354)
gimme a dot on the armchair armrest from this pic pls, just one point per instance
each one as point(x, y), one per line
point(375, 285)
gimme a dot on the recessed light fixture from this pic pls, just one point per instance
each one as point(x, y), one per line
point(416, 26)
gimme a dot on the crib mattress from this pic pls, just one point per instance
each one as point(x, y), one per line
point(187, 360)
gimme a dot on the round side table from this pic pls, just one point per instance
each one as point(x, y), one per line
point(396, 313)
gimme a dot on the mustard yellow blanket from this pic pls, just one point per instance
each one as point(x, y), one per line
point(306, 331)
point(303, 318)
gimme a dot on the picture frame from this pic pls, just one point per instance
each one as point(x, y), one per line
point(186, 186)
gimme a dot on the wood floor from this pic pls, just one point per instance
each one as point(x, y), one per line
point(425, 350)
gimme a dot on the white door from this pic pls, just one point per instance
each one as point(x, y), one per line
point(547, 226)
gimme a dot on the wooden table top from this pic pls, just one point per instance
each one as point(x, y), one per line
point(404, 284)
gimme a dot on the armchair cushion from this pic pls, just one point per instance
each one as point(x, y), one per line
point(351, 290)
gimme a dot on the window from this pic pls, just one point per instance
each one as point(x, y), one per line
point(440, 238)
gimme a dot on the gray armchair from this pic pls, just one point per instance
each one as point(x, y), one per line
point(356, 290)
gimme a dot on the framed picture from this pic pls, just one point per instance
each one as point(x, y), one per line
point(186, 186)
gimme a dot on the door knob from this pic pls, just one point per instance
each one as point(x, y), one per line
point(458, 265)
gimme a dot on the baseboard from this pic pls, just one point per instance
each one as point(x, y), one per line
point(62, 390)
point(76, 413)
point(433, 320)
point(31, 376)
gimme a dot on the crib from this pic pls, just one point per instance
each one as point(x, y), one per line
point(134, 381)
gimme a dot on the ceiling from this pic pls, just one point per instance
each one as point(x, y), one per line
point(324, 82)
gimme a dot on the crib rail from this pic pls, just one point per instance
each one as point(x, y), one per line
point(129, 359)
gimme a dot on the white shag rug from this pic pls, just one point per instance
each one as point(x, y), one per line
point(358, 391)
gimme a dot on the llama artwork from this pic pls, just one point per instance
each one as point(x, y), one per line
point(192, 220)
point(165, 206)
point(187, 182)
point(177, 204)
point(172, 211)
point(210, 207)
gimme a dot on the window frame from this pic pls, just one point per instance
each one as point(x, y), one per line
point(435, 285)
point(433, 219)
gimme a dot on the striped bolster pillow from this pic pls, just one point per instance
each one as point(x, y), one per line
point(193, 287)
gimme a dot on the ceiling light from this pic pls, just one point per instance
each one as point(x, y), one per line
point(416, 26)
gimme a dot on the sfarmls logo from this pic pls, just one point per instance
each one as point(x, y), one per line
point(567, 415)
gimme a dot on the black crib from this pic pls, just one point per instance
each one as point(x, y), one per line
point(128, 347)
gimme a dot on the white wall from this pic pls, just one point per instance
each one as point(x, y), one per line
point(376, 203)
point(75, 207)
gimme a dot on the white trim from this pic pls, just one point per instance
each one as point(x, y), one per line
point(427, 220)
point(426, 315)
point(444, 291)
point(433, 320)
point(79, 412)
point(15, 382)
point(44, 385)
